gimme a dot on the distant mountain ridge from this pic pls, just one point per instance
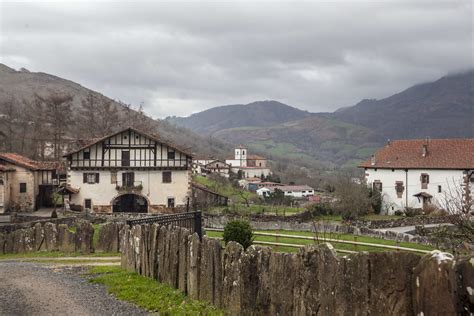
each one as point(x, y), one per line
point(21, 86)
point(440, 109)
point(260, 113)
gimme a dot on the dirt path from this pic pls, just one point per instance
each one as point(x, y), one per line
point(28, 288)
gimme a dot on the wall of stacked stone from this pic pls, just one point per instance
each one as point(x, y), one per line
point(314, 281)
point(48, 236)
point(6, 228)
point(405, 221)
point(327, 227)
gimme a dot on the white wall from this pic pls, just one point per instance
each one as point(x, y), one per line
point(104, 192)
point(412, 183)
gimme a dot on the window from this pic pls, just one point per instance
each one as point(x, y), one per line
point(425, 179)
point(128, 179)
point(166, 176)
point(439, 189)
point(125, 158)
point(377, 185)
point(171, 154)
point(113, 177)
point(170, 202)
point(86, 155)
point(90, 178)
point(1, 180)
point(243, 152)
point(399, 188)
point(22, 187)
point(88, 204)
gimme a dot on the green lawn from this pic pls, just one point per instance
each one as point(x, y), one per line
point(148, 293)
point(349, 237)
point(226, 190)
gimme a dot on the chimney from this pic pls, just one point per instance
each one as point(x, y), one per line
point(388, 142)
point(372, 160)
point(424, 150)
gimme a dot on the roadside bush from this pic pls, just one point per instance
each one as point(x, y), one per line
point(398, 213)
point(320, 209)
point(376, 200)
point(353, 200)
point(412, 212)
point(238, 231)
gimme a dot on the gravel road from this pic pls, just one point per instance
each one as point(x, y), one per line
point(28, 288)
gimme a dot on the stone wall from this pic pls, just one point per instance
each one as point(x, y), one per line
point(327, 227)
point(48, 237)
point(314, 281)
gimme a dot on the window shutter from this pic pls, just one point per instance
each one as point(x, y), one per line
point(84, 177)
point(97, 178)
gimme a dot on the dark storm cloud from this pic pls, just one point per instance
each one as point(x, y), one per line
point(183, 57)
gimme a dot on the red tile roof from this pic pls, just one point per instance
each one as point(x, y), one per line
point(27, 163)
point(408, 154)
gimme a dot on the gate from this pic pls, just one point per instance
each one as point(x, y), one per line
point(189, 220)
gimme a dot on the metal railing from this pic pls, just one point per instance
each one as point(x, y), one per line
point(189, 220)
point(331, 240)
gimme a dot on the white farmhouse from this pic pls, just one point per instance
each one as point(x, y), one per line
point(417, 173)
point(295, 191)
point(249, 165)
point(129, 171)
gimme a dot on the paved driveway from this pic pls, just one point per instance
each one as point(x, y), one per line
point(28, 288)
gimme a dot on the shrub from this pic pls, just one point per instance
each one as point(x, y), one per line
point(238, 231)
point(376, 200)
point(411, 212)
point(398, 213)
point(320, 209)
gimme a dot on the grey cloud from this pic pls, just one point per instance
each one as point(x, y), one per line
point(183, 57)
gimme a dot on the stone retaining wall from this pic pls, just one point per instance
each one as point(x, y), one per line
point(48, 236)
point(327, 227)
point(405, 221)
point(314, 281)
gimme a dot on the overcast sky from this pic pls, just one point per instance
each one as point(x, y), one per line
point(183, 57)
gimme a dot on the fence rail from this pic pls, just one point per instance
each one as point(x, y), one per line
point(189, 220)
point(339, 241)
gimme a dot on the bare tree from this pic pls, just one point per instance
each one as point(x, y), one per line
point(458, 203)
point(8, 119)
point(97, 117)
point(58, 116)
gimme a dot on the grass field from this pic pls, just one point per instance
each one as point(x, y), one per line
point(148, 293)
point(337, 246)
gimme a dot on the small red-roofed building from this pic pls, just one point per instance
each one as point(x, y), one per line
point(25, 184)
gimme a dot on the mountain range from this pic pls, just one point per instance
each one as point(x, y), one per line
point(440, 109)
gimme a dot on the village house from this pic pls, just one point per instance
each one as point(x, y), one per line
point(129, 171)
point(205, 166)
point(295, 191)
point(25, 184)
point(420, 173)
point(249, 165)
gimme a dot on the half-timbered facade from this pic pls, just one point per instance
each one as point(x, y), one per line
point(129, 171)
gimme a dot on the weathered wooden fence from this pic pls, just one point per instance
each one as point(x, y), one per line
point(314, 281)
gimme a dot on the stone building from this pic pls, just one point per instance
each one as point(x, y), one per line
point(129, 171)
point(25, 184)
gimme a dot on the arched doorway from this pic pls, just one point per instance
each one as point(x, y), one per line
point(130, 203)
